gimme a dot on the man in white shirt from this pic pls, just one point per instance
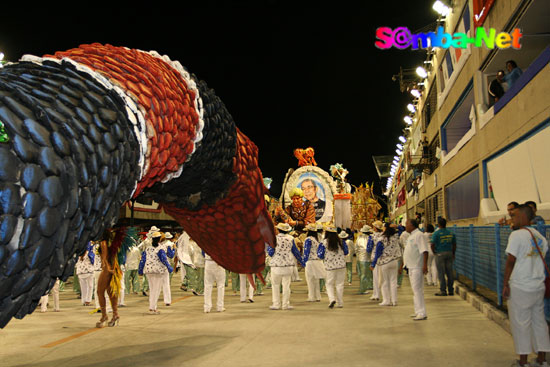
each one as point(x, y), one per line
point(415, 258)
point(524, 288)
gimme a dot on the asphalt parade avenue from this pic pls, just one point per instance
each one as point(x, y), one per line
point(249, 334)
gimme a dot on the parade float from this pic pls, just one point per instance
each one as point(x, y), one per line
point(85, 130)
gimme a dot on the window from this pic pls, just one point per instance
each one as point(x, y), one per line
point(533, 57)
point(431, 105)
point(458, 123)
point(454, 59)
point(462, 197)
point(434, 207)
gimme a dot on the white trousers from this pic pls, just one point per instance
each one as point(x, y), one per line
point(243, 282)
point(280, 275)
point(213, 273)
point(122, 290)
point(335, 285)
point(182, 272)
point(155, 285)
point(416, 277)
point(376, 282)
point(86, 287)
point(388, 275)
point(166, 291)
point(527, 321)
point(295, 276)
point(44, 299)
point(313, 267)
point(431, 277)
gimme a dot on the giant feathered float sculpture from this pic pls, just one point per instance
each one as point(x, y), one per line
point(86, 130)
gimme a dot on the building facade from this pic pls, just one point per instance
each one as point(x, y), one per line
point(468, 155)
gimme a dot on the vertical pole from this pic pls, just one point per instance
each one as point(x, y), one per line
point(472, 259)
point(498, 263)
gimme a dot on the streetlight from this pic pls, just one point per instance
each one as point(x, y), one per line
point(421, 72)
point(399, 146)
point(415, 93)
point(408, 120)
point(398, 151)
point(441, 8)
point(411, 108)
point(402, 139)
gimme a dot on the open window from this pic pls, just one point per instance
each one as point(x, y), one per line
point(534, 23)
point(459, 126)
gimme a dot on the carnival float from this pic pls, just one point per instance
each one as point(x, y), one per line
point(85, 130)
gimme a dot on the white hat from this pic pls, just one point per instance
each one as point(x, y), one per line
point(343, 234)
point(311, 227)
point(153, 229)
point(285, 227)
point(168, 235)
point(331, 229)
point(366, 228)
point(156, 234)
point(378, 224)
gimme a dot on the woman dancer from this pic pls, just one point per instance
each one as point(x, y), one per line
point(315, 269)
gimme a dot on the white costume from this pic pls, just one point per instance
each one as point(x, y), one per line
point(526, 302)
point(315, 269)
point(282, 261)
point(44, 299)
point(85, 272)
point(168, 247)
point(335, 266)
point(388, 261)
point(413, 259)
point(375, 237)
point(213, 273)
point(185, 254)
point(153, 267)
point(243, 282)
point(431, 277)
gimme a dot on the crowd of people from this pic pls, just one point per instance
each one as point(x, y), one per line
point(382, 252)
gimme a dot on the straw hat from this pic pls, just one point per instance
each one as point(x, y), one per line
point(331, 229)
point(319, 226)
point(153, 229)
point(366, 228)
point(285, 227)
point(378, 224)
point(343, 234)
point(311, 227)
point(156, 234)
point(168, 235)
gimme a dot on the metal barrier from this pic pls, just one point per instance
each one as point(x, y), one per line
point(481, 254)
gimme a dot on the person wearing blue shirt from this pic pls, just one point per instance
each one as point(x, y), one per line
point(514, 72)
point(444, 248)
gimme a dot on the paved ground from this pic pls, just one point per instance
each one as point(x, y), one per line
point(249, 334)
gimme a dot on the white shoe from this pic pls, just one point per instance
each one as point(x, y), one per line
point(366, 292)
point(340, 306)
point(384, 304)
point(288, 308)
point(420, 318)
point(221, 310)
point(375, 298)
point(537, 364)
point(412, 315)
point(274, 308)
point(206, 310)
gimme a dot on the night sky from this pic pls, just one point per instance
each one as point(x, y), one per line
point(292, 74)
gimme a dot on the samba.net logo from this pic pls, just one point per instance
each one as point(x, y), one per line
point(402, 38)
